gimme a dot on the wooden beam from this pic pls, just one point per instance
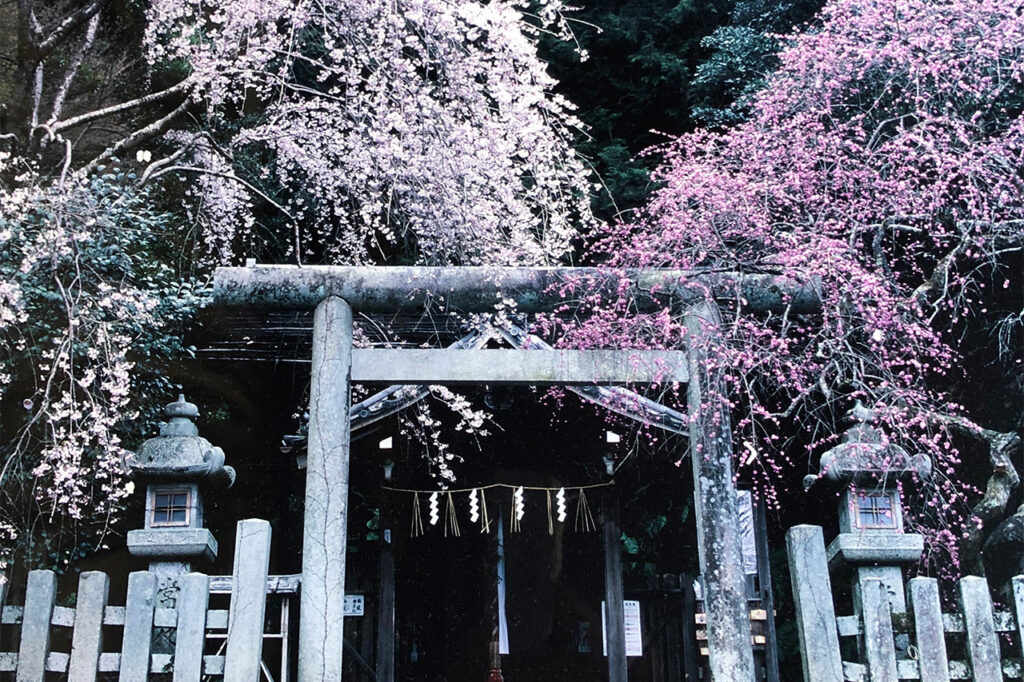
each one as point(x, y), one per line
point(479, 289)
point(386, 600)
point(526, 367)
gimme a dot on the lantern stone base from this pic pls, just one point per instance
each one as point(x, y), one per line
point(169, 543)
point(874, 548)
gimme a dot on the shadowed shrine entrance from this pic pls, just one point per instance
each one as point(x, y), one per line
point(335, 292)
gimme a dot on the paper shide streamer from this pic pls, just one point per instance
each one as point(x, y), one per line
point(555, 501)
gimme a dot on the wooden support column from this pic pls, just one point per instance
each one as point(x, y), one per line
point(386, 609)
point(615, 617)
point(321, 624)
point(688, 603)
point(718, 530)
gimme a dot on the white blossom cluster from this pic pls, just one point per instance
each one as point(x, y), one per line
point(76, 303)
point(418, 121)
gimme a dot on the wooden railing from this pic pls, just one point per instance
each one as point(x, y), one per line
point(977, 642)
point(44, 626)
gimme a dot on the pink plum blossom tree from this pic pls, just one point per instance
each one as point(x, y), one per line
point(883, 162)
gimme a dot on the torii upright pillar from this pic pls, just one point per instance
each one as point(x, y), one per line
point(720, 554)
point(321, 625)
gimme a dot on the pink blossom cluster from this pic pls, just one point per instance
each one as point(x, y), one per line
point(881, 162)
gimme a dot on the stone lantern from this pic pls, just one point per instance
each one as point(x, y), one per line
point(872, 540)
point(177, 468)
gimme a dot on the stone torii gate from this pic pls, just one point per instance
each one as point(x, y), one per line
point(335, 292)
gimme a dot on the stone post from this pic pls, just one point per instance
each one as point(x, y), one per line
point(731, 656)
point(321, 631)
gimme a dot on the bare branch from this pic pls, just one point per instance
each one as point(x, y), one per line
point(37, 94)
point(1001, 444)
point(52, 129)
point(160, 163)
point(28, 27)
point(72, 70)
point(71, 22)
point(152, 130)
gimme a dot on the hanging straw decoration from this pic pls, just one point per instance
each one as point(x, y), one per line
point(417, 518)
point(551, 521)
point(584, 518)
point(485, 523)
point(450, 519)
point(518, 509)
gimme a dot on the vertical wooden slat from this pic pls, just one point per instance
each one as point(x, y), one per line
point(193, 600)
point(613, 592)
point(386, 612)
point(138, 626)
point(367, 629)
point(673, 640)
point(248, 602)
point(764, 573)
point(35, 626)
point(930, 638)
point(87, 639)
point(286, 607)
point(654, 614)
point(879, 647)
point(5, 583)
point(816, 614)
point(689, 609)
point(982, 645)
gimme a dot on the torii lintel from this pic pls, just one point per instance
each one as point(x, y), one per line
point(478, 288)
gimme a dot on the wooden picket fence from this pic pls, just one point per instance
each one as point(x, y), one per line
point(42, 624)
point(977, 643)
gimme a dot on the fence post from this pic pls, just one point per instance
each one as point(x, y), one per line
point(248, 602)
point(982, 645)
point(816, 615)
point(879, 647)
point(138, 626)
point(1017, 594)
point(929, 635)
point(193, 600)
point(87, 639)
point(5, 584)
point(35, 626)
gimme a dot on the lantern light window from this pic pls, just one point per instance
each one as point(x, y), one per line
point(876, 510)
point(172, 507)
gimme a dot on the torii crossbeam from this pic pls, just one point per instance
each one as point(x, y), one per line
point(335, 292)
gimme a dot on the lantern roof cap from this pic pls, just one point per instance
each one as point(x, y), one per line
point(866, 454)
point(179, 453)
